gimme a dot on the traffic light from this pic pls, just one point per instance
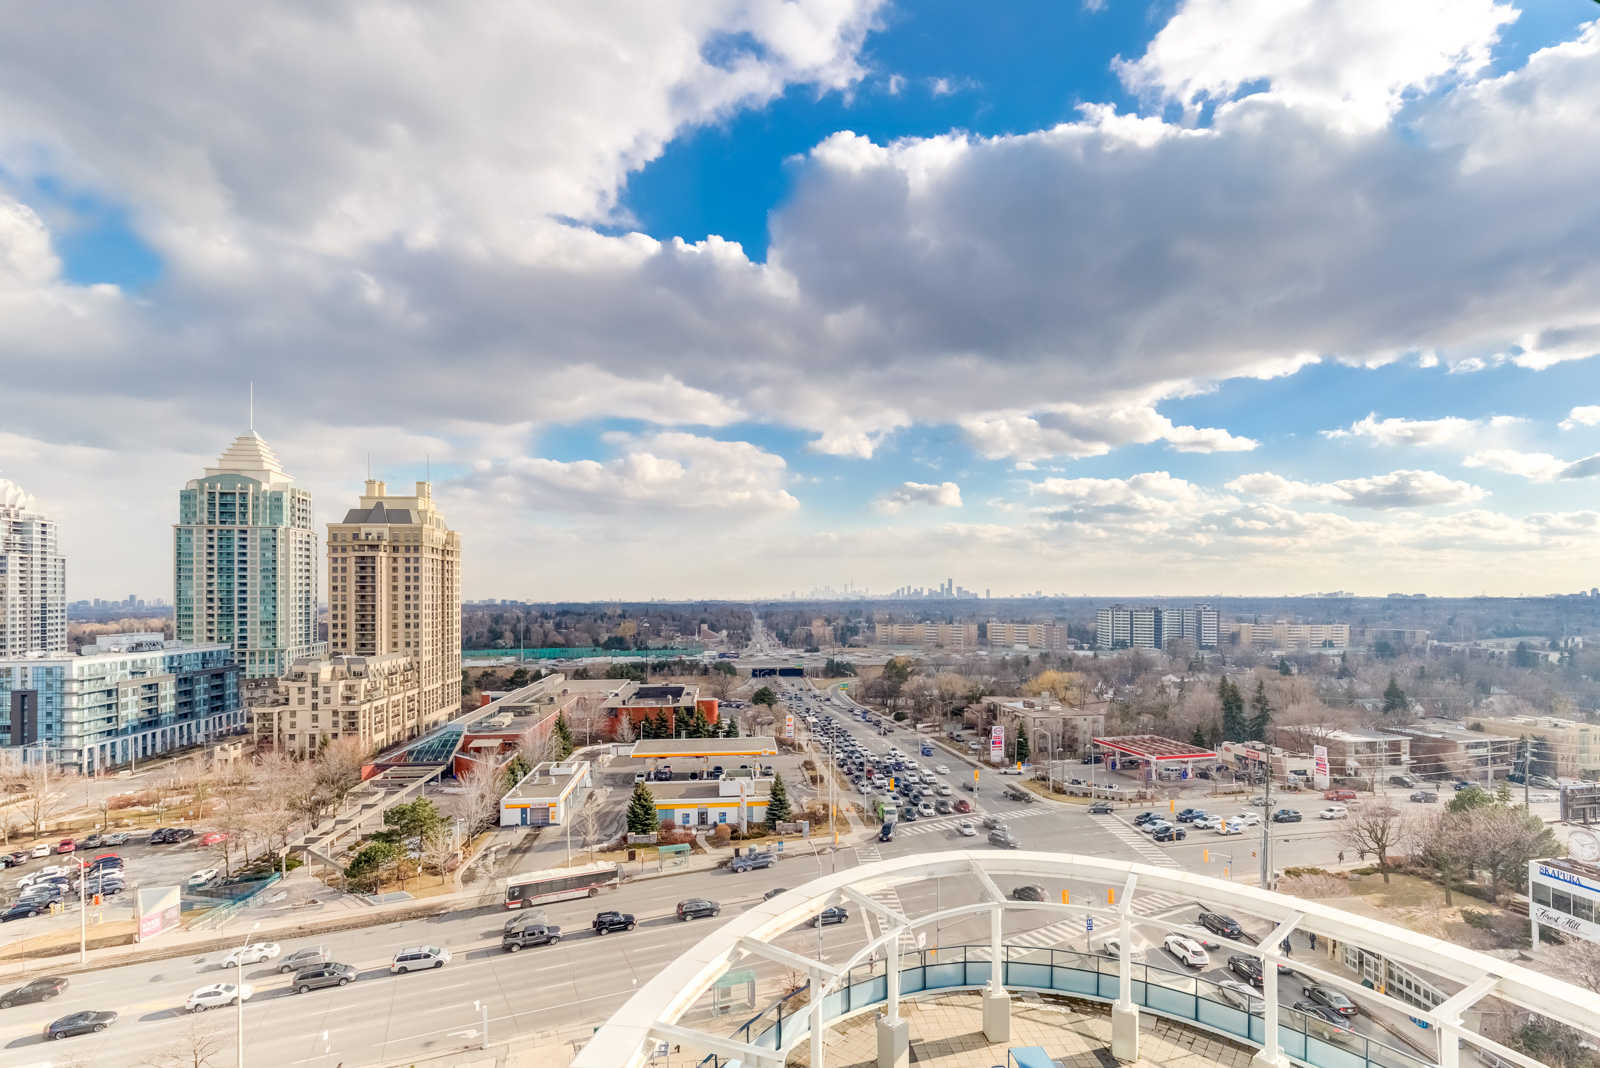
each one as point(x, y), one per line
point(1172, 806)
point(1205, 856)
point(1065, 898)
point(1111, 896)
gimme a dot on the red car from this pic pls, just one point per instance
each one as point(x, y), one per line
point(213, 838)
point(963, 806)
point(1339, 795)
point(66, 845)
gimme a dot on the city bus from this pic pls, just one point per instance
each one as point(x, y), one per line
point(559, 884)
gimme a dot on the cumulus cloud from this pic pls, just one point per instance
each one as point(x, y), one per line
point(1583, 415)
point(1398, 489)
point(1534, 466)
point(1393, 432)
point(1079, 430)
point(1355, 59)
point(671, 471)
point(935, 495)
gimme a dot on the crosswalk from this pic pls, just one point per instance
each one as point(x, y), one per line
point(949, 822)
point(1137, 841)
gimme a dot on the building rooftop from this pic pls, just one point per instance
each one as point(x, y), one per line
point(250, 456)
point(698, 789)
point(550, 781)
point(1155, 747)
point(668, 748)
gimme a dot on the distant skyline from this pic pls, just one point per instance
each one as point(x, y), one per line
point(727, 300)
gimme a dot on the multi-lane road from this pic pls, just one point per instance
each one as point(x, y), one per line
point(382, 1019)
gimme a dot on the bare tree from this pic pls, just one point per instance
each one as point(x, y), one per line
point(625, 731)
point(586, 716)
point(438, 846)
point(1377, 829)
point(587, 824)
point(338, 772)
point(198, 1042)
point(1445, 843)
point(478, 803)
point(47, 792)
point(539, 747)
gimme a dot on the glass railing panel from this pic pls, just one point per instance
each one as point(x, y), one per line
point(1024, 973)
point(1170, 993)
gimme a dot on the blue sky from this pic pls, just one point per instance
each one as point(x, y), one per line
point(1175, 287)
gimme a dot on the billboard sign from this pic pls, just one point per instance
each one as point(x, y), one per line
point(788, 725)
point(997, 744)
point(158, 909)
point(1319, 755)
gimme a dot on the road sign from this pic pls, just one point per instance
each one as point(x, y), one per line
point(997, 744)
point(1088, 924)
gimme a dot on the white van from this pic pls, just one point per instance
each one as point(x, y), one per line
point(417, 958)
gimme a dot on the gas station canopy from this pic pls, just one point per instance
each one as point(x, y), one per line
point(1155, 748)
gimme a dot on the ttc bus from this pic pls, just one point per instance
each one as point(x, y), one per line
point(559, 884)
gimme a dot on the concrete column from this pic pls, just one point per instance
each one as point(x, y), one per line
point(818, 1035)
point(1271, 1053)
point(996, 950)
point(891, 962)
point(894, 1042)
point(1449, 1048)
point(1124, 1013)
point(996, 1015)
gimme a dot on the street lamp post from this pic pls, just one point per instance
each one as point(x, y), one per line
point(83, 915)
point(1049, 757)
point(238, 990)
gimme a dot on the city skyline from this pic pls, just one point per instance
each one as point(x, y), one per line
point(873, 289)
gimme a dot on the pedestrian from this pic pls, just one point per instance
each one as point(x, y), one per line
point(1287, 947)
point(1341, 856)
point(1313, 938)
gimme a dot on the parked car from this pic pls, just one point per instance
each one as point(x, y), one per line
point(1329, 998)
point(1286, 815)
point(120, 838)
point(204, 877)
point(1004, 839)
point(697, 907)
point(94, 841)
point(418, 958)
point(1169, 834)
point(254, 953)
point(303, 958)
point(1424, 797)
point(1028, 892)
point(638, 777)
point(41, 989)
point(1334, 812)
point(1187, 950)
point(40, 850)
point(1188, 814)
point(320, 975)
point(834, 914)
point(533, 934)
point(1240, 996)
point(1144, 817)
point(66, 845)
point(80, 1023)
point(209, 997)
point(611, 920)
point(966, 830)
point(1221, 924)
point(52, 871)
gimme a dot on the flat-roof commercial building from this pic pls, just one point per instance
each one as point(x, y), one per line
point(126, 698)
point(1355, 751)
point(1441, 749)
point(739, 801)
point(547, 795)
point(1070, 729)
point(1574, 748)
point(672, 703)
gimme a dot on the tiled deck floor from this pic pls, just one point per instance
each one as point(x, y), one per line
point(947, 1032)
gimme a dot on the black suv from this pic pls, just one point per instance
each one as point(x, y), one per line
point(535, 934)
point(1286, 815)
point(42, 989)
point(696, 907)
point(1226, 926)
point(321, 975)
point(1170, 834)
point(606, 922)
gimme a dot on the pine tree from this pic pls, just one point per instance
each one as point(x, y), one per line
point(1234, 727)
point(1023, 750)
point(699, 727)
point(641, 810)
point(732, 728)
point(1394, 698)
point(563, 737)
point(1198, 739)
point(1261, 722)
point(778, 810)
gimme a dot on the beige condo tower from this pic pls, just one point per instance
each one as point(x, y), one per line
point(394, 586)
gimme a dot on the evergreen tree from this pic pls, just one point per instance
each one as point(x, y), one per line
point(731, 729)
point(1261, 722)
point(1344, 667)
point(642, 810)
point(1234, 727)
point(699, 727)
point(1284, 667)
point(778, 810)
point(1023, 751)
point(1394, 698)
point(1198, 739)
point(563, 737)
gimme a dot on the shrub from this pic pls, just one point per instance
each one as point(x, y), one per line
point(1481, 920)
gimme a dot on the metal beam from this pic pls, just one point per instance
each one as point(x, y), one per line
point(988, 884)
point(1127, 895)
point(1449, 1010)
point(755, 1056)
point(783, 956)
point(899, 919)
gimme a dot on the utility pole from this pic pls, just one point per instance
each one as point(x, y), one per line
point(1266, 826)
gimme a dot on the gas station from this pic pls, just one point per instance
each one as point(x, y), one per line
point(1152, 753)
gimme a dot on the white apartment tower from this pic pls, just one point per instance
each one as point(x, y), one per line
point(245, 561)
point(394, 586)
point(33, 579)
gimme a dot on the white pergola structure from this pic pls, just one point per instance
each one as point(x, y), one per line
point(651, 1017)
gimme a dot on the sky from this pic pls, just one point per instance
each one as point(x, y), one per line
point(729, 298)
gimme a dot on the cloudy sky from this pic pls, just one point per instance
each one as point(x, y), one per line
point(722, 298)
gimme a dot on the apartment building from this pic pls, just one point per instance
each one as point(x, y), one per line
point(1443, 749)
point(1284, 636)
point(1130, 626)
point(394, 586)
point(126, 698)
point(376, 699)
point(1574, 748)
point(1197, 623)
point(33, 578)
point(927, 635)
point(245, 561)
point(1046, 637)
point(1047, 722)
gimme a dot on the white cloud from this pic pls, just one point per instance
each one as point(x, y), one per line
point(1398, 489)
point(1080, 430)
point(935, 495)
point(1583, 415)
point(672, 471)
point(1394, 432)
point(1355, 59)
point(1534, 466)
point(1558, 345)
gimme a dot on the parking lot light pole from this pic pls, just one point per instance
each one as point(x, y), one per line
point(83, 915)
point(238, 990)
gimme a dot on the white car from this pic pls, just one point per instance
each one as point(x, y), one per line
point(942, 769)
point(1187, 950)
point(1111, 947)
point(1334, 812)
point(966, 829)
point(43, 873)
point(925, 810)
point(1207, 823)
point(1230, 827)
point(944, 790)
point(204, 876)
point(209, 997)
point(1196, 933)
point(40, 850)
point(252, 954)
point(1232, 992)
point(1247, 819)
point(1156, 825)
